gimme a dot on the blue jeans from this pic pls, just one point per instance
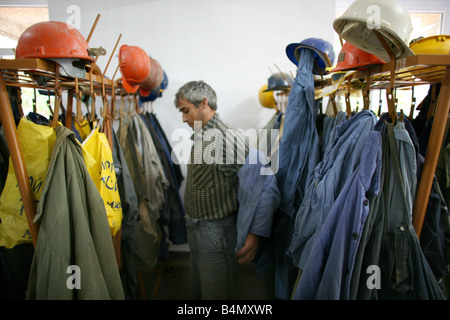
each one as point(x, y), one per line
point(213, 262)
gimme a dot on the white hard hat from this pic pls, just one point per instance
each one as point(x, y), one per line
point(388, 17)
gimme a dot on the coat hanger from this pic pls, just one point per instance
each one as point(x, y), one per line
point(114, 112)
point(333, 103)
point(113, 101)
point(347, 98)
point(92, 115)
point(402, 115)
point(366, 93)
point(413, 104)
point(93, 95)
point(49, 103)
point(113, 96)
point(105, 110)
point(390, 89)
point(380, 104)
point(120, 111)
point(432, 106)
point(34, 101)
point(131, 109)
point(106, 115)
point(136, 104)
point(54, 122)
point(79, 118)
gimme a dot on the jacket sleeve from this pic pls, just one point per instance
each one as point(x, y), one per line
point(268, 202)
point(259, 198)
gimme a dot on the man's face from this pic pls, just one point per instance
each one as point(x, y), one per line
point(190, 112)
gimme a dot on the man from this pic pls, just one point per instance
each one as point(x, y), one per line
point(211, 195)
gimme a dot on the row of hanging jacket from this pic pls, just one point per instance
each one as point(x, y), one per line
point(348, 184)
point(137, 183)
point(74, 226)
point(369, 225)
point(157, 179)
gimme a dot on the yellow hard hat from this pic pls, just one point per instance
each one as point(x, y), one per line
point(439, 44)
point(266, 98)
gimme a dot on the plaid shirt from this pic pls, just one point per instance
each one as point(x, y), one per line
point(218, 153)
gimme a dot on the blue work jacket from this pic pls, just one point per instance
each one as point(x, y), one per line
point(327, 272)
point(341, 159)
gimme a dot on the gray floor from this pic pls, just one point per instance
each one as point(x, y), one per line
point(174, 281)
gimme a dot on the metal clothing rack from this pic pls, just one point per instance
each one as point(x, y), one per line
point(409, 72)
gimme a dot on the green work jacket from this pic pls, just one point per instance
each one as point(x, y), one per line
point(74, 256)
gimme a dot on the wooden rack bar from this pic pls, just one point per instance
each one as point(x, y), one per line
point(431, 157)
point(18, 162)
point(410, 71)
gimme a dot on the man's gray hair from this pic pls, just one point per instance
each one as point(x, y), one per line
point(194, 92)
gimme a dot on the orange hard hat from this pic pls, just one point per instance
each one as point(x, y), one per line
point(153, 80)
point(351, 58)
point(50, 40)
point(134, 66)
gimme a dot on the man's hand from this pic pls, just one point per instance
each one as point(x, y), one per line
point(247, 253)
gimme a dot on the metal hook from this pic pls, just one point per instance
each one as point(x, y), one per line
point(120, 112)
point(413, 104)
point(79, 118)
point(347, 98)
point(131, 111)
point(136, 104)
point(34, 101)
point(366, 93)
point(92, 115)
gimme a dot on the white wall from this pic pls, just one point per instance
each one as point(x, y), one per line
point(230, 44)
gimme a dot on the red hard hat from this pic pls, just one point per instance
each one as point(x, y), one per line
point(134, 66)
point(153, 80)
point(351, 58)
point(52, 39)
